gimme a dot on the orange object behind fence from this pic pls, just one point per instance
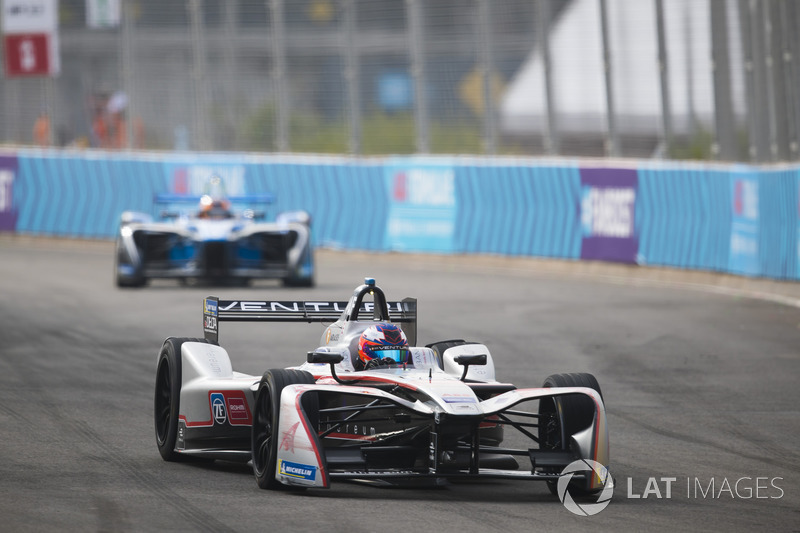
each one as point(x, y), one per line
point(41, 130)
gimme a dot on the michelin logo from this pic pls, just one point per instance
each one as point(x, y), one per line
point(297, 470)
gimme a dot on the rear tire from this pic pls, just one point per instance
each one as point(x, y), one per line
point(166, 405)
point(128, 283)
point(266, 420)
point(298, 282)
point(577, 413)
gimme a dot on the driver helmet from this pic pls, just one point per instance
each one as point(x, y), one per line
point(383, 341)
point(214, 208)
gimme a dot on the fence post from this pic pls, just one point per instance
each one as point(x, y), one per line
point(762, 107)
point(790, 16)
point(779, 132)
point(126, 68)
point(769, 65)
point(612, 141)
point(230, 53)
point(487, 68)
point(352, 76)
point(746, 29)
point(49, 97)
point(282, 109)
point(201, 100)
point(663, 71)
point(551, 137)
point(416, 37)
point(724, 144)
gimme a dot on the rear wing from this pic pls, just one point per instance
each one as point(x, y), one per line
point(174, 198)
point(216, 311)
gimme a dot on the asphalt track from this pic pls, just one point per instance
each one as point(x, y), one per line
point(700, 379)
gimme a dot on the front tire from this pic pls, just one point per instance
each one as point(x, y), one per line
point(166, 405)
point(130, 283)
point(266, 420)
point(576, 411)
point(306, 264)
point(293, 281)
point(126, 281)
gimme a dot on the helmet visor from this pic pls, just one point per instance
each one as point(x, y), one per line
point(395, 353)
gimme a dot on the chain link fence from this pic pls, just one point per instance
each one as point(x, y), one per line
point(681, 79)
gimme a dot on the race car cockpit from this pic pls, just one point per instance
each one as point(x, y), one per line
point(214, 208)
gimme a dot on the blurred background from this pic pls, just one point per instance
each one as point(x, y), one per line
point(675, 79)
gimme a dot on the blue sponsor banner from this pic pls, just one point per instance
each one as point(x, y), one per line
point(422, 205)
point(743, 256)
point(8, 210)
point(743, 220)
point(607, 210)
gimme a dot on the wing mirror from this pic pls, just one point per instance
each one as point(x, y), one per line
point(467, 360)
point(331, 358)
point(325, 357)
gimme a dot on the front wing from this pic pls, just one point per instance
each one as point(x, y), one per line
point(256, 251)
point(305, 457)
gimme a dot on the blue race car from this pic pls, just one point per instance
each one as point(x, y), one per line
point(214, 243)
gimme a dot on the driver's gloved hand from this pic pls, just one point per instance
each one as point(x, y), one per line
point(378, 363)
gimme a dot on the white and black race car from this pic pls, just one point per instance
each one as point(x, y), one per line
point(438, 414)
point(214, 242)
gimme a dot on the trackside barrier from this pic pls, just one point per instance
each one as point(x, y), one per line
point(736, 219)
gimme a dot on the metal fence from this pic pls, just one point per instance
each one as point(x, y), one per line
point(680, 79)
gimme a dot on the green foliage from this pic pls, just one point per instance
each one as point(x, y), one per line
point(698, 146)
point(457, 138)
point(388, 134)
point(259, 130)
point(311, 134)
point(381, 134)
